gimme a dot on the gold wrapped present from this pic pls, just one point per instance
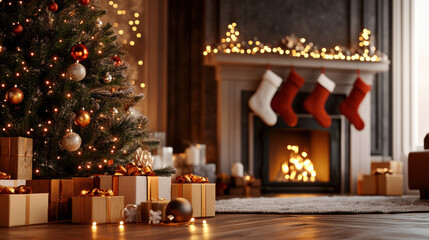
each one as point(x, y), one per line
point(20, 207)
point(136, 189)
point(16, 157)
point(198, 191)
point(97, 206)
point(60, 194)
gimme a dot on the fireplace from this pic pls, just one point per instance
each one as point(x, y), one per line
point(236, 73)
point(305, 158)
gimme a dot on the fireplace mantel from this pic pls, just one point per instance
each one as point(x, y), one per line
point(236, 73)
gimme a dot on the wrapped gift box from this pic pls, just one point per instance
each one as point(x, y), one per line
point(12, 182)
point(23, 209)
point(82, 183)
point(368, 185)
point(152, 205)
point(60, 194)
point(395, 166)
point(388, 184)
point(16, 157)
point(201, 195)
point(136, 189)
point(89, 209)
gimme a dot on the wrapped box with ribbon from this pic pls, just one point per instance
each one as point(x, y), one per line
point(82, 183)
point(16, 157)
point(98, 206)
point(154, 205)
point(198, 191)
point(136, 184)
point(20, 207)
point(5, 180)
point(60, 194)
point(381, 182)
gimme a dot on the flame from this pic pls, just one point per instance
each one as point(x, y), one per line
point(298, 167)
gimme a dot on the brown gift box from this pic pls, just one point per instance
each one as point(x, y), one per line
point(388, 184)
point(16, 157)
point(368, 186)
point(395, 166)
point(152, 205)
point(23, 209)
point(82, 183)
point(60, 194)
point(88, 209)
point(201, 195)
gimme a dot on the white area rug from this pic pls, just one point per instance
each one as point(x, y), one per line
point(324, 205)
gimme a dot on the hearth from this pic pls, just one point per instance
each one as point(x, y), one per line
point(305, 158)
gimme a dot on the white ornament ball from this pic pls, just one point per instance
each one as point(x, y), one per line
point(71, 141)
point(107, 78)
point(98, 23)
point(76, 72)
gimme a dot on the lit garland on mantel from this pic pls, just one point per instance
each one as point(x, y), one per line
point(293, 46)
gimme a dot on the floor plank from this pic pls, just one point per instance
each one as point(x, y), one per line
point(245, 226)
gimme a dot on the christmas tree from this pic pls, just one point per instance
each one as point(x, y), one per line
point(65, 86)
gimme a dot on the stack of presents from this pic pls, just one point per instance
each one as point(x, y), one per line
point(128, 196)
point(386, 178)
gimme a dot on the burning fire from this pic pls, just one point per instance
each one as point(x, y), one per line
point(298, 168)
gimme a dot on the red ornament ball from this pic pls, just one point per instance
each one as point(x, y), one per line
point(79, 52)
point(18, 28)
point(53, 7)
point(84, 2)
point(116, 60)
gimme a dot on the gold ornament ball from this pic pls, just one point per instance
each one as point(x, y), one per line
point(76, 72)
point(71, 141)
point(82, 118)
point(14, 96)
point(180, 209)
point(107, 78)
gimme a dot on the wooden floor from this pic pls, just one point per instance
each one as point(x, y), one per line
point(241, 226)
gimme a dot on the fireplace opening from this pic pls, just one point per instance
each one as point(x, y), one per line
point(306, 158)
point(298, 155)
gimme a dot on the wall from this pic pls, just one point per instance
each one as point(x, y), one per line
point(192, 24)
point(326, 23)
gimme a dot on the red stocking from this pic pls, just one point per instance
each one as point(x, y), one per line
point(315, 103)
point(349, 107)
point(282, 101)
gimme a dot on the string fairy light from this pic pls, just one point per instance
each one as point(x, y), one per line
point(293, 46)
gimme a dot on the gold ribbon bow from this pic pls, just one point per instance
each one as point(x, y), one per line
point(4, 175)
point(133, 170)
point(97, 192)
point(191, 178)
point(15, 190)
point(382, 171)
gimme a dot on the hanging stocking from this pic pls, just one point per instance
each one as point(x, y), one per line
point(349, 108)
point(260, 101)
point(282, 101)
point(315, 103)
